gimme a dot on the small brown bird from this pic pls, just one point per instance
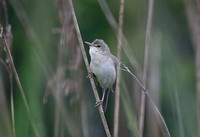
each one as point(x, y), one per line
point(104, 67)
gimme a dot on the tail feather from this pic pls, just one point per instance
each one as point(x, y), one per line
point(105, 99)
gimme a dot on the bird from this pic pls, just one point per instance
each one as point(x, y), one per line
point(104, 67)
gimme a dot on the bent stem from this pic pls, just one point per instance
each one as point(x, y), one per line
point(119, 47)
point(164, 129)
point(20, 88)
point(88, 68)
point(12, 99)
point(126, 46)
point(146, 56)
point(193, 14)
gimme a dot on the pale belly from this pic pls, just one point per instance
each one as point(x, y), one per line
point(105, 72)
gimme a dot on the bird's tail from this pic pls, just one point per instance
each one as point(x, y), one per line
point(105, 99)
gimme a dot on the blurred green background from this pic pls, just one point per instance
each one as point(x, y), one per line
point(44, 46)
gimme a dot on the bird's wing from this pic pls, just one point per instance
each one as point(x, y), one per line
point(117, 63)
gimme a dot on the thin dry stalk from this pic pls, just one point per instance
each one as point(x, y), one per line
point(9, 37)
point(20, 88)
point(57, 122)
point(6, 12)
point(69, 123)
point(12, 100)
point(11, 96)
point(160, 118)
point(193, 17)
point(84, 117)
point(4, 64)
point(154, 85)
point(126, 46)
point(60, 106)
point(84, 113)
point(146, 56)
point(61, 112)
point(62, 133)
point(119, 47)
point(133, 62)
point(5, 126)
point(69, 45)
point(110, 18)
point(23, 18)
point(57, 79)
point(198, 83)
point(88, 68)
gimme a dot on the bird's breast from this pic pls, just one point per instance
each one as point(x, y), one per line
point(105, 71)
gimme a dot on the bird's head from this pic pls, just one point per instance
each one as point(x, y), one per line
point(98, 46)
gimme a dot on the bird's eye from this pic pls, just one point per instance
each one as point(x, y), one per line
point(98, 46)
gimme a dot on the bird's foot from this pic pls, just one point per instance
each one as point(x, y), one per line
point(98, 103)
point(90, 75)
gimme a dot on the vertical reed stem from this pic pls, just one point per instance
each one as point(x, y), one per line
point(146, 56)
point(119, 47)
point(20, 88)
point(103, 119)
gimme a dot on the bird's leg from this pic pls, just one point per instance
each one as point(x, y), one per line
point(97, 82)
point(98, 103)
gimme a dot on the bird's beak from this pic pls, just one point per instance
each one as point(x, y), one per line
point(90, 44)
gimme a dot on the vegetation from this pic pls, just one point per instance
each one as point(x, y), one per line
point(44, 89)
